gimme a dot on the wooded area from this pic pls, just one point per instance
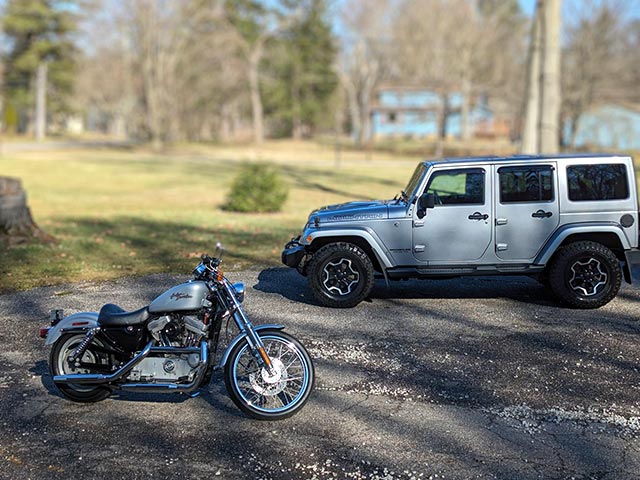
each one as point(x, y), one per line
point(242, 70)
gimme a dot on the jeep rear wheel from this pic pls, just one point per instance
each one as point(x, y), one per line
point(340, 275)
point(585, 275)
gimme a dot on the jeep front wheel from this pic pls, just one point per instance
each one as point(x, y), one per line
point(340, 275)
point(585, 275)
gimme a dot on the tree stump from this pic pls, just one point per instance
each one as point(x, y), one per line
point(16, 223)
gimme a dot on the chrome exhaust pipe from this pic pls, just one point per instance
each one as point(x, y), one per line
point(99, 379)
point(91, 378)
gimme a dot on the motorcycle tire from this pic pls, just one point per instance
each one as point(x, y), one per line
point(58, 365)
point(265, 395)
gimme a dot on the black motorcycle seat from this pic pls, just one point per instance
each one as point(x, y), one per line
point(113, 316)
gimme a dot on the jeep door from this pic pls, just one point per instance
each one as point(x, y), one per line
point(526, 209)
point(458, 228)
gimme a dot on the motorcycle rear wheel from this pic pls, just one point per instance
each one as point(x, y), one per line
point(58, 365)
point(266, 396)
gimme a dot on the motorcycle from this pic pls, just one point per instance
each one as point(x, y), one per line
point(169, 346)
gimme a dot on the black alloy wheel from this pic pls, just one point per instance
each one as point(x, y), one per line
point(585, 275)
point(340, 275)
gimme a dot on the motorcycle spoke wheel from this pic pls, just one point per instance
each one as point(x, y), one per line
point(275, 394)
point(60, 365)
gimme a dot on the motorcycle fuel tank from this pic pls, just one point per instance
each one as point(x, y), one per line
point(183, 297)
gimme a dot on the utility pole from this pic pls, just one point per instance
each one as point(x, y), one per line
point(532, 101)
point(549, 130)
point(41, 101)
point(541, 130)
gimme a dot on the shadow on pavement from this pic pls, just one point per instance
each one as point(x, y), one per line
point(291, 285)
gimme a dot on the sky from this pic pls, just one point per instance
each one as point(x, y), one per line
point(631, 6)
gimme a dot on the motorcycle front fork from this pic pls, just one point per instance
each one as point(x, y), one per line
point(253, 339)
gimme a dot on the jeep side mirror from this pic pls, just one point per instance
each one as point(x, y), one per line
point(426, 200)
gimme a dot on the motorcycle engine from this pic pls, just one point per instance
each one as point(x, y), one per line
point(176, 331)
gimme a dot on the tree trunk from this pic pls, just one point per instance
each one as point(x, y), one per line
point(465, 108)
point(296, 111)
point(256, 99)
point(550, 102)
point(354, 109)
point(443, 115)
point(530, 139)
point(41, 102)
point(16, 222)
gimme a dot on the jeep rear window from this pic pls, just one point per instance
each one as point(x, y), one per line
point(527, 183)
point(458, 187)
point(597, 182)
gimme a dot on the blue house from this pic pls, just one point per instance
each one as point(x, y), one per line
point(614, 127)
point(413, 112)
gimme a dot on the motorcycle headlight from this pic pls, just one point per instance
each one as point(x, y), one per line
point(238, 289)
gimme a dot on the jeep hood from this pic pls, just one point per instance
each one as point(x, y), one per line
point(352, 212)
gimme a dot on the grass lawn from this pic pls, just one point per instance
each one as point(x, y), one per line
point(132, 212)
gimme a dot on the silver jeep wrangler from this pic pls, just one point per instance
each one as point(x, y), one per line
point(569, 221)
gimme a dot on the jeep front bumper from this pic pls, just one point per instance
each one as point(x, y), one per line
point(293, 253)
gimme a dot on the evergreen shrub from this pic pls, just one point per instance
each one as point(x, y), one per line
point(257, 188)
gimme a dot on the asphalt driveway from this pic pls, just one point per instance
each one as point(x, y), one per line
point(467, 378)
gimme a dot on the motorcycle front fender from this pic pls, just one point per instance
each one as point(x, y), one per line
point(80, 322)
point(241, 337)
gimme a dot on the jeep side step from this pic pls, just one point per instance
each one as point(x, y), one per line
point(399, 273)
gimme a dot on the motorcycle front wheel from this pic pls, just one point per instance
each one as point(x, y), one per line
point(271, 395)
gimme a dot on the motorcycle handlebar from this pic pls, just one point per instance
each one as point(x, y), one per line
point(211, 262)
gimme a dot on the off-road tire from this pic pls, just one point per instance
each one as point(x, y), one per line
point(562, 274)
point(340, 253)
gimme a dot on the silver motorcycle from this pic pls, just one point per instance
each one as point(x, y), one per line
point(169, 346)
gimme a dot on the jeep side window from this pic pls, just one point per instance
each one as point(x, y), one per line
point(526, 184)
point(597, 182)
point(458, 187)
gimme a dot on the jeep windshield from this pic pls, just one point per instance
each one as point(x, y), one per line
point(410, 190)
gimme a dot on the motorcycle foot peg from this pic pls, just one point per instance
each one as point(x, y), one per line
point(194, 394)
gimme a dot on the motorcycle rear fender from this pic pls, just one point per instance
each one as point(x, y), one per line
point(78, 322)
point(241, 337)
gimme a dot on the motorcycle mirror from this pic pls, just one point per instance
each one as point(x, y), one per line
point(219, 250)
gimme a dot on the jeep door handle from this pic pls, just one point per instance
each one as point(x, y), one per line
point(478, 216)
point(541, 214)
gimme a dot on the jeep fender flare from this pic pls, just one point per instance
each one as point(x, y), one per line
point(583, 228)
point(365, 233)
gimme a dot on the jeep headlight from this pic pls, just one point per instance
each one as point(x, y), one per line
point(314, 222)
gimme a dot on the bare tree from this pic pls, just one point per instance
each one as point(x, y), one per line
point(500, 57)
point(597, 67)
point(157, 41)
point(163, 71)
point(437, 50)
point(365, 59)
point(252, 47)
